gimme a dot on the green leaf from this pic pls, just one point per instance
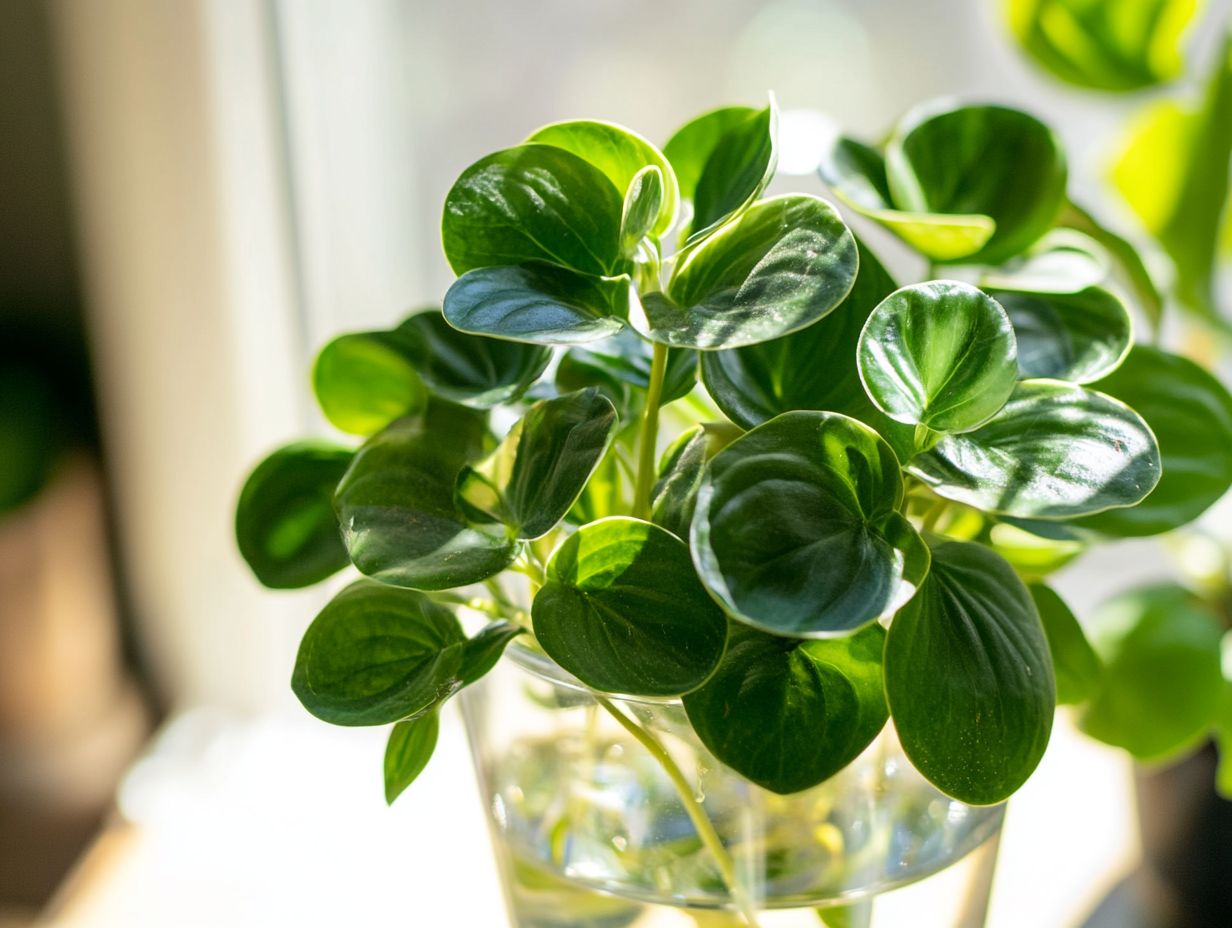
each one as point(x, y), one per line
point(980, 160)
point(968, 676)
point(622, 155)
point(378, 654)
point(940, 354)
point(642, 207)
point(1119, 46)
point(537, 303)
point(408, 751)
point(1074, 662)
point(692, 145)
point(284, 521)
point(480, 653)
point(795, 530)
point(1063, 260)
point(469, 369)
point(1032, 555)
point(736, 172)
point(1079, 337)
point(533, 203)
point(853, 915)
point(363, 381)
point(786, 262)
point(1223, 724)
point(680, 477)
point(1054, 451)
point(789, 714)
point(623, 611)
point(620, 367)
point(1190, 413)
point(1173, 173)
point(1162, 682)
point(396, 504)
point(530, 482)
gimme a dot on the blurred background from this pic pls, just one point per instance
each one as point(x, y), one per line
point(195, 194)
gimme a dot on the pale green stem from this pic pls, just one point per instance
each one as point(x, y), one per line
point(697, 815)
point(649, 434)
point(934, 514)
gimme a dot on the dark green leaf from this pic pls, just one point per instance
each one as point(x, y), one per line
point(378, 654)
point(1162, 683)
point(1074, 662)
point(537, 303)
point(623, 611)
point(533, 478)
point(533, 203)
point(789, 714)
point(690, 148)
point(604, 494)
point(1190, 413)
point(785, 263)
point(969, 678)
point(796, 532)
point(396, 504)
point(1054, 451)
point(1079, 337)
point(940, 354)
point(363, 382)
point(480, 653)
point(409, 749)
point(981, 160)
point(620, 367)
point(622, 155)
point(284, 521)
point(736, 171)
point(469, 369)
point(680, 477)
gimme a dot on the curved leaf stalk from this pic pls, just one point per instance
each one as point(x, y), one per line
point(649, 434)
point(697, 815)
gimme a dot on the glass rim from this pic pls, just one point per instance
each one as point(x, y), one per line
point(538, 664)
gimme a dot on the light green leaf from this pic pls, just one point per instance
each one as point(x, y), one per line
point(1079, 337)
point(1055, 451)
point(378, 654)
point(1063, 260)
point(641, 208)
point(530, 482)
point(782, 265)
point(408, 751)
point(680, 477)
point(940, 354)
point(622, 155)
point(1223, 724)
point(1190, 413)
point(980, 160)
point(789, 714)
point(623, 611)
point(533, 203)
point(1162, 682)
point(537, 303)
point(363, 381)
point(795, 530)
point(620, 367)
point(969, 678)
point(853, 915)
point(396, 504)
point(284, 521)
point(1075, 665)
point(692, 145)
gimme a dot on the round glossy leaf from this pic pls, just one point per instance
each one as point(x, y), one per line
point(284, 521)
point(1079, 337)
point(984, 160)
point(1062, 261)
point(469, 369)
point(736, 172)
point(692, 145)
point(396, 504)
point(620, 367)
point(377, 654)
point(530, 482)
point(536, 303)
point(1074, 663)
point(621, 155)
point(408, 751)
point(1190, 413)
point(939, 354)
point(363, 382)
point(623, 611)
point(784, 264)
point(969, 678)
point(789, 714)
point(795, 529)
point(533, 203)
point(1162, 682)
point(1055, 451)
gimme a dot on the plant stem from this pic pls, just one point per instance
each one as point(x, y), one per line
point(649, 434)
point(934, 514)
point(697, 815)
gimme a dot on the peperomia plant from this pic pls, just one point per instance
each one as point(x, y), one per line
point(863, 480)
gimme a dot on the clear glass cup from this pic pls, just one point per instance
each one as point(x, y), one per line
point(593, 805)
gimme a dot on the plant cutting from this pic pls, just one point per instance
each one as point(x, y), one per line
point(758, 500)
